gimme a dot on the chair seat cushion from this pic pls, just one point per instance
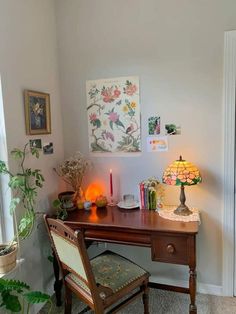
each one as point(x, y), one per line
point(113, 271)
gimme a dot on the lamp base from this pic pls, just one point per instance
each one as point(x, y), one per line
point(183, 210)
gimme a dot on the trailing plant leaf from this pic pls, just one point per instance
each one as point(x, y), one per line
point(50, 258)
point(11, 302)
point(56, 203)
point(17, 153)
point(35, 152)
point(3, 167)
point(26, 225)
point(34, 297)
point(62, 213)
point(12, 285)
point(30, 194)
point(16, 182)
point(14, 202)
point(11, 290)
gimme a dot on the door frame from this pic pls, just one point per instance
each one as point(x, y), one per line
point(229, 236)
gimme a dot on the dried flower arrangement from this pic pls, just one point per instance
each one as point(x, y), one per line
point(72, 170)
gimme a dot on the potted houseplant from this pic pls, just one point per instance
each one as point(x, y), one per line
point(24, 184)
point(72, 171)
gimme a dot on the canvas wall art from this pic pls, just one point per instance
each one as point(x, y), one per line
point(114, 115)
point(37, 113)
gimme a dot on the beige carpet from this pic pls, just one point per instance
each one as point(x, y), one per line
point(165, 302)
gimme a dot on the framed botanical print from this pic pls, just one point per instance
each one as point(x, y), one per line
point(37, 112)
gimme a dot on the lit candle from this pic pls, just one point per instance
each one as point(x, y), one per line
point(111, 183)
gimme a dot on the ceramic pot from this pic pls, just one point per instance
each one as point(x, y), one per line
point(8, 261)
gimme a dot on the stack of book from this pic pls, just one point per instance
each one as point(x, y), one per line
point(148, 193)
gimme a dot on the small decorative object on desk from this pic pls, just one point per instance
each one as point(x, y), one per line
point(72, 171)
point(167, 212)
point(101, 201)
point(87, 205)
point(128, 202)
point(151, 193)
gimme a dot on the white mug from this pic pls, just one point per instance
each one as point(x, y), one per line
point(128, 200)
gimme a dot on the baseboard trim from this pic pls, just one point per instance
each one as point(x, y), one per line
point(182, 285)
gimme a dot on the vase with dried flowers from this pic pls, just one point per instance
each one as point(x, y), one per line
point(72, 171)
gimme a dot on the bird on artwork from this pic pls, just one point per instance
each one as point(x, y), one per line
point(130, 128)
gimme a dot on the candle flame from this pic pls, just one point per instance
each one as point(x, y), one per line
point(110, 170)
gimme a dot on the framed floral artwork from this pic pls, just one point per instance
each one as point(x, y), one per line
point(37, 112)
point(114, 115)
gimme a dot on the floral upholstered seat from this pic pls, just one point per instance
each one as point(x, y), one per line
point(112, 271)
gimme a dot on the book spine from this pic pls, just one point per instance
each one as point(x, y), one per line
point(146, 198)
point(142, 195)
point(152, 198)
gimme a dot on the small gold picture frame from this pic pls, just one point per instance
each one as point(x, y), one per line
point(37, 112)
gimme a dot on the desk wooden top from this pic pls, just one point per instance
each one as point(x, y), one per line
point(128, 219)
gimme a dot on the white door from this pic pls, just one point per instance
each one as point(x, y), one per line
point(229, 222)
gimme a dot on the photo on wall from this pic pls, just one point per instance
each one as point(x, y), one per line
point(48, 148)
point(157, 144)
point(172, 129)
point(113, 111)
point(154, 125)
point(36, 143)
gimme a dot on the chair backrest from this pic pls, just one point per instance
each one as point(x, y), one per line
point(71, 254)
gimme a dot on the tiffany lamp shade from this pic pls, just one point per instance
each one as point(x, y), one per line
point(181, 172)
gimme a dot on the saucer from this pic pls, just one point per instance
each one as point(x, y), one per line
point(122, 205)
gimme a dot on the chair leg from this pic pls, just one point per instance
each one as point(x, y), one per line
point(68, 300)
point(146, 297)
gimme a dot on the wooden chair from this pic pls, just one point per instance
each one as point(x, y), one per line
point(100, 282)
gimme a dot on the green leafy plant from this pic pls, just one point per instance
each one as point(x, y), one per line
point(16, 297)
point(61, 212)
point(24, 185)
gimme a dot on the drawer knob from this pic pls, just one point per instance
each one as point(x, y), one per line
point(170, 248)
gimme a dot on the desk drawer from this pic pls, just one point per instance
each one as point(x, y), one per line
point(170, 249)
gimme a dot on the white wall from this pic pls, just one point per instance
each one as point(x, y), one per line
point(176, 48)
point(28, 60)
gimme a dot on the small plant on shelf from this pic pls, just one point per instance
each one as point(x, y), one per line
point(61, 211)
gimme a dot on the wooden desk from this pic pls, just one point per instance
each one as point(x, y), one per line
point(170, 241)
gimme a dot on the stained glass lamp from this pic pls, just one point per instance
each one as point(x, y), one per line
point(181, 172)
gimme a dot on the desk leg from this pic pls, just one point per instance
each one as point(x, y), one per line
point(58, 282)
point(192, 290)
